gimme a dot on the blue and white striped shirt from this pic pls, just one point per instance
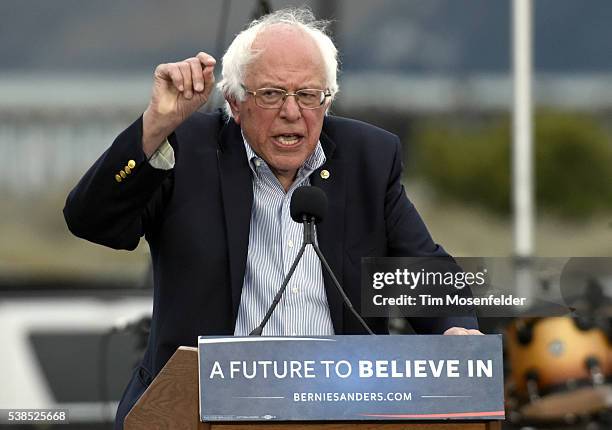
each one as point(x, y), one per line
point(274, 242)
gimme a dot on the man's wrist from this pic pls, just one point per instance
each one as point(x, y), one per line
point(154, 134)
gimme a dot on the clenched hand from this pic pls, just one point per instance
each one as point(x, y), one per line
point(179, 89)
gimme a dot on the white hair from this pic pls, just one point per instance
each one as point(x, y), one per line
point(240, 53)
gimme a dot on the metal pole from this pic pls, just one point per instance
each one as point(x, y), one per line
point(522, 148)
point(330, 9)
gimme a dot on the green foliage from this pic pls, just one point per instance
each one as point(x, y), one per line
point(471, 164)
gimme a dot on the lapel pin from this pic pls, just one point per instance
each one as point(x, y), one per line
point(324, 174)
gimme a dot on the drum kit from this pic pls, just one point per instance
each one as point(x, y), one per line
point(560, 368)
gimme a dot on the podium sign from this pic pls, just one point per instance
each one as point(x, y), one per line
point(351, 378)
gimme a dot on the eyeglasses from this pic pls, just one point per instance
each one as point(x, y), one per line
point(273, 98)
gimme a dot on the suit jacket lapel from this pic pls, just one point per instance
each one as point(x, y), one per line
point(237, 196)
point(330, 233)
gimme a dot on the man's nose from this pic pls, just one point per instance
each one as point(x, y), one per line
point(290, 110)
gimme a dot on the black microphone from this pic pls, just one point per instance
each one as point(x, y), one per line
point(308, 206)
point(310, 202)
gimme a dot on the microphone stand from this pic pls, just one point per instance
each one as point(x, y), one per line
point(309, 236)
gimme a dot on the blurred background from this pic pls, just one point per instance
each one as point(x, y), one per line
point(438, 73)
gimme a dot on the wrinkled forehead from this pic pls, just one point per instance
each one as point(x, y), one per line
point(286, 48)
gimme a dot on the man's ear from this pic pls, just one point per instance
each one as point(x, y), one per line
point(235, 107)
point(327, 106)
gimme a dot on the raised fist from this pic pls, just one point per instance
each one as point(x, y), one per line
point(179, 89)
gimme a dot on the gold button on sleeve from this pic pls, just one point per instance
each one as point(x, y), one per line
point(123, 175)
point(118, 178)
point(131, 164)
point(127, 169)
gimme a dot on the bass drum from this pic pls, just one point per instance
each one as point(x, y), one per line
point(560, 369)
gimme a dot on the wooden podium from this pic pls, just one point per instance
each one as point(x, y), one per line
point(171, 402)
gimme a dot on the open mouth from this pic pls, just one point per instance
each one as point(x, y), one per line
point(288, 139)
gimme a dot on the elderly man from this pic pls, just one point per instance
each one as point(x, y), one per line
point(211, 192)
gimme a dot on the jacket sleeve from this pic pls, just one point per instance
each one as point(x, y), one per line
point(120, 196)
point(407, 236)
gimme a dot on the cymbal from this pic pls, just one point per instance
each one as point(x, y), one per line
point(563, 406)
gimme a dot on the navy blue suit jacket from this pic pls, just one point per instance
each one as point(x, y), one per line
point(196, 219)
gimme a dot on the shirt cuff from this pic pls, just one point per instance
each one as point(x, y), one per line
point(163, 158)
